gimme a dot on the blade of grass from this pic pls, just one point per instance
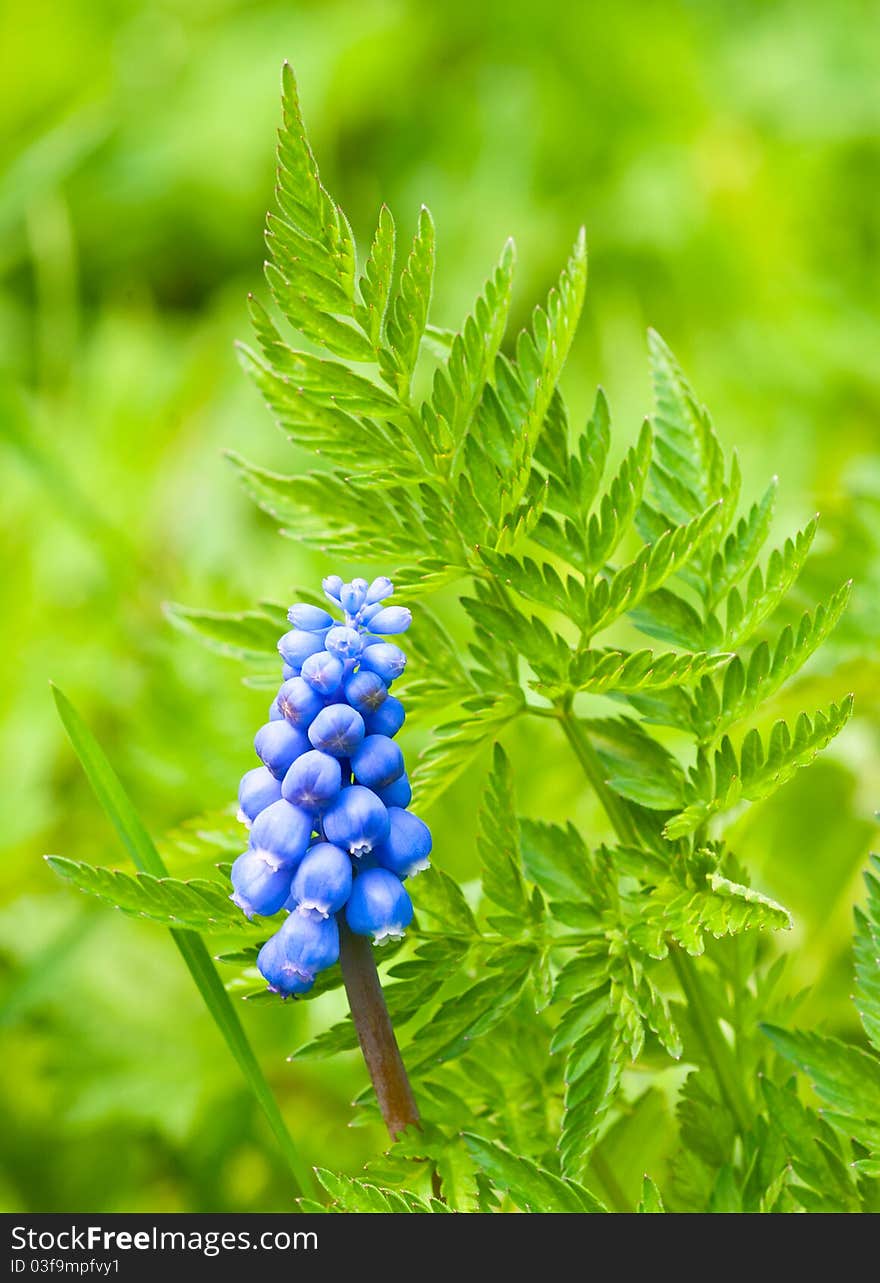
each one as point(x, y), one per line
point(140, 846)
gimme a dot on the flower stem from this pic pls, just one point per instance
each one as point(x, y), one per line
point(718, 1053)
point(376, 1033)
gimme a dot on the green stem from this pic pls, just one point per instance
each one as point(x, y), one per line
point(615, 807)
point(718, 1053)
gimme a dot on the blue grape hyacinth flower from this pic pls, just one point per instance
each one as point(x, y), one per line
point(331, 838)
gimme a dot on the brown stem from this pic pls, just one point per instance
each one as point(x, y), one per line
point(376, 1033)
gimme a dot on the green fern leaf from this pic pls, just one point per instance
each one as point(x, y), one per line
point(758, 769)
point(198, 905)
point(532, 1188)
point(408, 310)
point(867, 947)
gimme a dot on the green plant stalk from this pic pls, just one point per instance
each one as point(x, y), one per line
point(718, 1052)
point(113, 798)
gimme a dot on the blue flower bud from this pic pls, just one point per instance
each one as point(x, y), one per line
point(332, 585)
point(379, 589)
point(357, 821)
point(352, 596)
point(289, 670)
point(323, 671)
point(259, 888)
point(384, 658)
point(337, 730)
point(397, 794)
point(281, 834)
point(377, 761)
point(296, 646)
point(278, 744)
point(393, 619)
point(299, 702)
point(302, 947)
point(313, 619)
point(257, 790)
point(343, 642)
point(378, 905)
point(313, 781)
point(406, 849)
point(275, 713)
point(365, 692)
point(322, 882)
point(387, 719)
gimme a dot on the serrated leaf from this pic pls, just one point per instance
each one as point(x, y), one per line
point(245, 635)
point(556, 858)
point(687, 447)
point(759, 768)
point(637, 766)
point(197, 905)
point(376, 282)
point(459, 383)
point(350, 1195)
point(438, 897)
point(498, 840)
point(746, 686)
point(531, 1187)
point(455, 744)
point(651, 1200)
point(867, 951)
point(408, 310)
point(845, 1078)
point(625, 589)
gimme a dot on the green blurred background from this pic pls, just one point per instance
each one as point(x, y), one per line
point(725, 158)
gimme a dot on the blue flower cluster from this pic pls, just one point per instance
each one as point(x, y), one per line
point(330, 832)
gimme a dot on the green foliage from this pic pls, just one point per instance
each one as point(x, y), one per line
point(198, 905)
point(149, 889)
point(521, 1010)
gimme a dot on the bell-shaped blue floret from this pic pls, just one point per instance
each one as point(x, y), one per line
point(337, 730)
point(323, 672)
point(344, 642)
point(397, 794)
point(377, 761)
point(387, 719)
point(258, 886)
point(393, 619)
point(378, 905)
point(303, 946)
point(257, 790)
point(281, 834)
point(332, 585)
point(310, 619)
point(299, 702)
point(278, 744)
point(352, 595)
point(312, 781)
point(296, 646)
point(379, 589)
point(384, 658)
point(357, 821)
point(366, 692)
point(406, 849)
point(275, 713)
point(322, 882)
